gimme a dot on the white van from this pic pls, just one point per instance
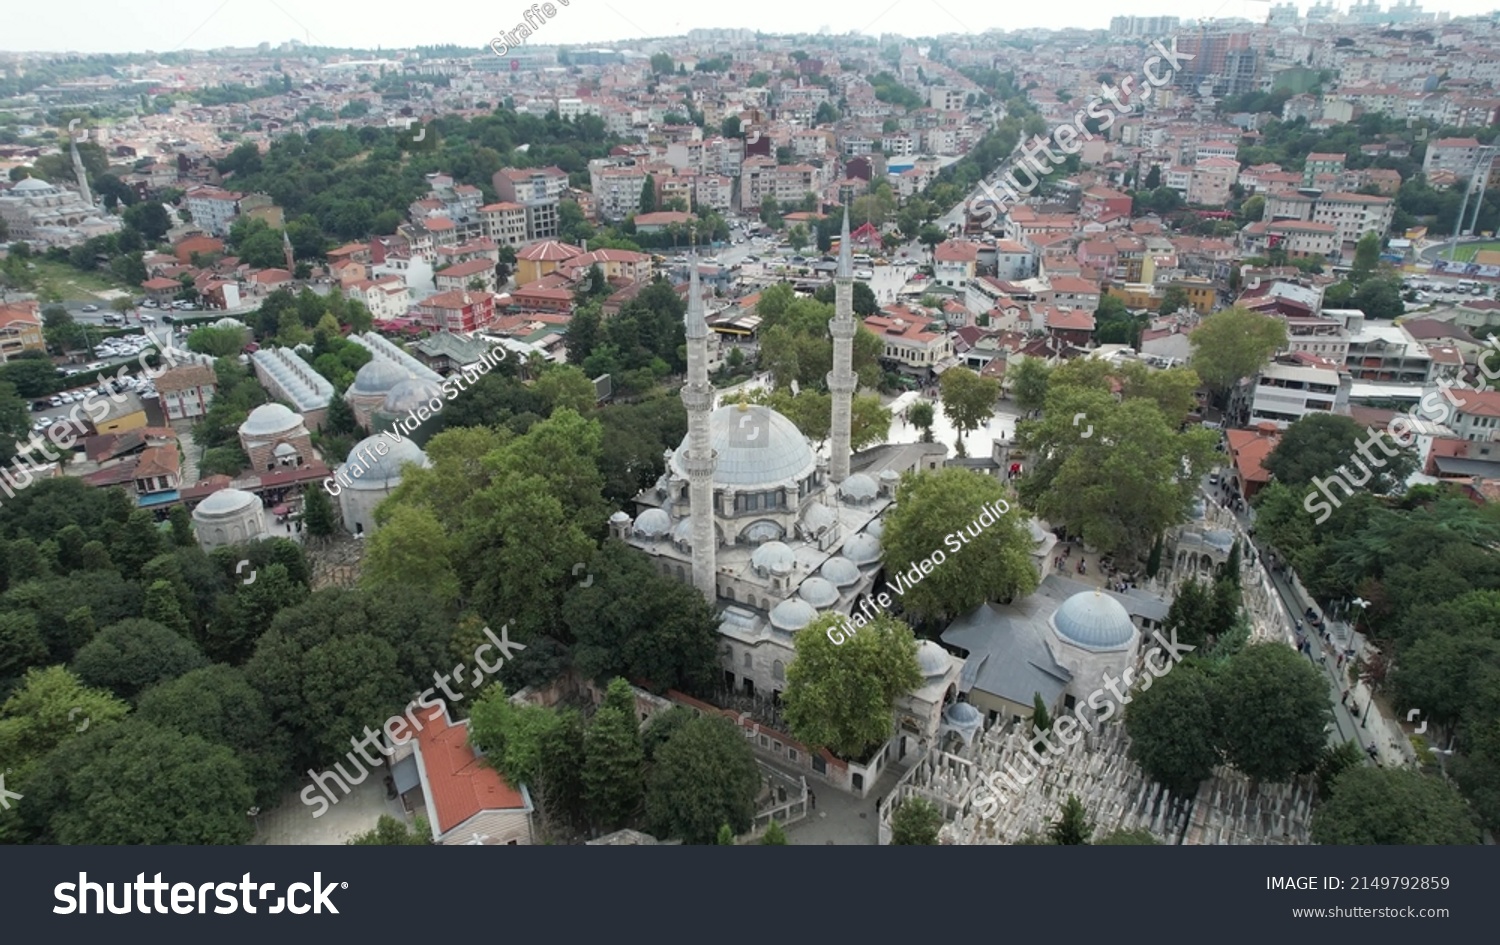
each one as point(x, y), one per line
point(861, 259)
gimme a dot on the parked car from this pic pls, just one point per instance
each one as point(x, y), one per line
point(91, 308)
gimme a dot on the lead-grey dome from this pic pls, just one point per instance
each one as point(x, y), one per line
point(818, 592)
point(840, 570)
point(932, 659)
point(1094, 621)
point(962, 715)
point(755, 446)
point(792, 614)
point(377, 377)
point(773, 557)
point(653, 523)
point(382, 472)
point(862, 549)
point(858, 488)
point(270, 420)
point(225, 502)
point(33, 186)
point(410, 394)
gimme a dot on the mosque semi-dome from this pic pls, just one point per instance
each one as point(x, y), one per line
point(754, 446)
point(1094, 621)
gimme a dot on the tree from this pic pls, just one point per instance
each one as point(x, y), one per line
point(1393, 807)
point(613, 759)
point(1139, 837)
point(150, 219)
point(411, 549)
point(218, 342)
point(662, 64)
point(134, 783)
point(1317, 445)
point(648, 195)
point(797, 236)
point(317, 512)
point(1173, 300)
point(725, 837)
point(840, 696)
point(915, 823)
point(1173, 729)
point(774, 836)
point(968, 400)
point(390, 832)
point(1041, 719)
point(703, 778)
point(948, 512)
point(1233, 344)
point(1274, 711)
point(1153, 178)
point(1336, 761)
point(131, 655)
point(920, 415)
point(1028, 383)
point(1366, 258)
point(1253, 209)
point(63, 334)
point(1073, 826)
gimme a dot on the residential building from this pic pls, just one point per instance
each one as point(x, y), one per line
point(20, 329)
point(185, 392)
point(456, 311)
point(1285, 393)
point(213, 209)
point(907, 343)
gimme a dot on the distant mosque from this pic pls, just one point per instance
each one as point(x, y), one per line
point(42, 213)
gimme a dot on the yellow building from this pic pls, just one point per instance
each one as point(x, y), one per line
point(20, 329)
point(129, 414)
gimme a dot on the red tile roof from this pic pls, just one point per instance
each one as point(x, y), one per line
point(460, 784)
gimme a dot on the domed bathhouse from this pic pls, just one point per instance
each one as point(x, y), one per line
point(372, 384)
point(372, 472)
point(774, 535)
point(400, 406)
point(229, 517)
point(275, 437)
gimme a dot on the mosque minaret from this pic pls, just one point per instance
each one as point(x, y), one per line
point(698, 461)
point(842, 380)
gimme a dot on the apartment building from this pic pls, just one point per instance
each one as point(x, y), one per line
point(907, 345)
point(1285, 393)
point(505, 223)
point(1456, 155)
point(213, 209)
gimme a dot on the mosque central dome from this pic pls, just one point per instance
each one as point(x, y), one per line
point(1094, 621)
point(755, 446)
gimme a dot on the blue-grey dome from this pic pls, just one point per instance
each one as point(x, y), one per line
point(270, 420)
point(932, 659)
point(755, 446)
point(962, 715)
point(410, 394)
point(653, 523)
point(876, 529)
point(1094, 621)
point(379, 472)
point(862, 549)
point(858, 488)
point(377, 377)
point(774, 557)
point(792, 614)
point(840, 570)
point(225, 502)
point(818, 592)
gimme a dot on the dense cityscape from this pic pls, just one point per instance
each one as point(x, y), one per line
point(1031, 437)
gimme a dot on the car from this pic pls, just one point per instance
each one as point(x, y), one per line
point(56, 401)
point(148, 319)
point(799, 259)
point(113, 319)
point(149, 303)
point(39, 405)
point(864, 273)
point(91, 308)
point(752, 258)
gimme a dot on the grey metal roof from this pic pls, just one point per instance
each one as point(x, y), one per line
point(1008, 653)
point(299, 383)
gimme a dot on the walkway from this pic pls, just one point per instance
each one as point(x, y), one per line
point(840, 819)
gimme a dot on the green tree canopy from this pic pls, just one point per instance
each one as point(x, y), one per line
point(1392, 806)
point(840, 697)
point(915, 823)
point(705, 775)
point(1233, 344)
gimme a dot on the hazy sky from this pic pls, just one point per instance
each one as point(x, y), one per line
point(164, 25)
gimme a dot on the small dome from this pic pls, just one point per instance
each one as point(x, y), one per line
point(225, 502)
point(876, 529)
point(840, 571)
point(858, 488)
point(792, 614)
point(863, 549)
point(270, 420)
point(227, 322)
point(932, 659)
point(653, 523)
point(683, 532)
point(1094, 621)
point(619, 518)
point(962, 715)
point(818, 592)
point(889, 475)
point(382, 472)
point(817, 517)
point(410, 394)
point(773, 557)
point(377, 377)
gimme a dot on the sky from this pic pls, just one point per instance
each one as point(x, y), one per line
point(166, 25)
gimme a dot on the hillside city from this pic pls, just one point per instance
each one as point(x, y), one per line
point(1073, 436)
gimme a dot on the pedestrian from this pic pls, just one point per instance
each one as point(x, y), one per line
point(1344, 699)
point(812, 797)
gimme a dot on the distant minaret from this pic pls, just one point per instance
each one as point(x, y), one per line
point(286, 246)
point(842, 380)
point(698, 397)
point(78, 172)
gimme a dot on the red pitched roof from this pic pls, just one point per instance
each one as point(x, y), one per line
point(459, 783)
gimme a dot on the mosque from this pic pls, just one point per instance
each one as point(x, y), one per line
point(47, 215)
